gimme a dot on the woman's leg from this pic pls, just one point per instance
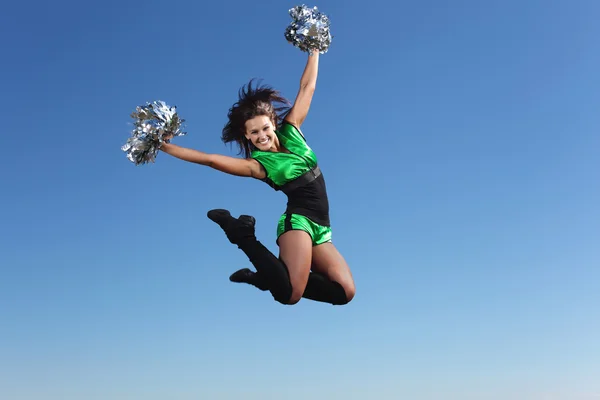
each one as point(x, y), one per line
point(295, 250)
point(330, 280)
point(289, 278)
point(240, 231)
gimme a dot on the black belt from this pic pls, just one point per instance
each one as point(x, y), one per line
point(302, 180)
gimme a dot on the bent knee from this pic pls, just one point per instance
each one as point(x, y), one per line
point(350, 291)
point(295, 297)
point(288, 299)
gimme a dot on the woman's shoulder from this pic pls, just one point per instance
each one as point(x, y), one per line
point(290, 130)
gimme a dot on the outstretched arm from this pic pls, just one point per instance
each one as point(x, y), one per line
point(308, 83)
point(230, 165)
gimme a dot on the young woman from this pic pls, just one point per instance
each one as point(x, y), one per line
point(275, 151)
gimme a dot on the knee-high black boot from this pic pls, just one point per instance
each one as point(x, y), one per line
point(318, 287)
point(240, 231)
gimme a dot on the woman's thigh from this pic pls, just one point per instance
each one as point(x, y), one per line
point(295, 250)
point(327, 260)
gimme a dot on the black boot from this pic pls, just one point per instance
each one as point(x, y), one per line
point(240, 231)
point(320, 288)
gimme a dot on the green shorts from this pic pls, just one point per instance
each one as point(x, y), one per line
point(318, 233)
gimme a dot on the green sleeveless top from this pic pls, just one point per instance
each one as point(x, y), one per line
point(282, 168)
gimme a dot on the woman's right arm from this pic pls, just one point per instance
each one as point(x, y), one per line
point(229, 165)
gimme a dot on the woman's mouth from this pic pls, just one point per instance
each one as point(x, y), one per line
point(263, 141)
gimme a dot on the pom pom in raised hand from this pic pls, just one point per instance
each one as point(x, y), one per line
point(154, 124)
point(309, 29)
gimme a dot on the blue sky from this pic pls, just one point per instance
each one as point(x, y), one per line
point(460, 146)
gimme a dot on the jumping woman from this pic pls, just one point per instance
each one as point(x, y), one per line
point(275, 151)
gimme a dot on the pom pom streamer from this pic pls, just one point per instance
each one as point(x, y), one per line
point(309, 29)
point(154, 124)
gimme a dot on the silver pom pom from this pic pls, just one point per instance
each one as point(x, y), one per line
point(154, 124)
point(309, 29)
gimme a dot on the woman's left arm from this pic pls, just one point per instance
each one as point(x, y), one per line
point(308, 83)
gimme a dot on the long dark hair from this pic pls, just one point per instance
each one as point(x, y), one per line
point(252, 102)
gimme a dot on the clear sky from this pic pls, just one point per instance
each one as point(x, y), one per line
point(460, 145)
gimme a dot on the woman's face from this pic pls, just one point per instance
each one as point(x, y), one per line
point(260, 131)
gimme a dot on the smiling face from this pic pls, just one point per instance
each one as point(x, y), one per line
point(260, 131)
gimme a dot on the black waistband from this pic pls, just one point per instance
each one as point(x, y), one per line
point(302, 180)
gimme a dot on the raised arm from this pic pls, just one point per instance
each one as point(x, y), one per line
point(308, 83)
point(230, 165)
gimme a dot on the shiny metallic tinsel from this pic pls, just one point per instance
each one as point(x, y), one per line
point(154, 124)
point(309, 30)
